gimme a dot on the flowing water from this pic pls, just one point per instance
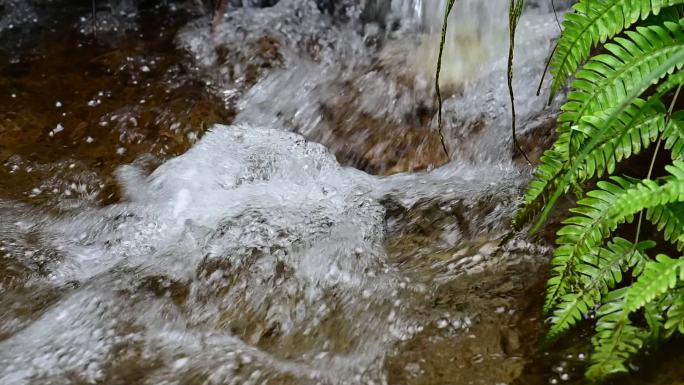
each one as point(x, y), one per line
point(263, 198)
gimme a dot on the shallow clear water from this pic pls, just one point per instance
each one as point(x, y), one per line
point(264, 198)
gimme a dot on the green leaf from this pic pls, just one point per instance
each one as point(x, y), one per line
point(675, 315)
point(636, 128)
point(669, 219)
point(674, 134)
point(597, 216)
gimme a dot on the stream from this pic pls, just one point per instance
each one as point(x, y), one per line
point(263, 198)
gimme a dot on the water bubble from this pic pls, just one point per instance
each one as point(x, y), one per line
point(56, 130)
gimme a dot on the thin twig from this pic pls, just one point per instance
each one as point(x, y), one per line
point(94, 20)
point(514, 12)
point(655, 154)
point(546, 68)
point(450, 5)
point(548, 60)
point(555, 14)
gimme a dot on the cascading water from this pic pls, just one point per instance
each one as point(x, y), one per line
point(477, 34)
point(258, 256)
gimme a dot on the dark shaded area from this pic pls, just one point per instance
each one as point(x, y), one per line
point(78, 105)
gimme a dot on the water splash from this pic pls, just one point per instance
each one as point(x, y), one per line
point(258, 257)
point(255, 237)
point(476, 34)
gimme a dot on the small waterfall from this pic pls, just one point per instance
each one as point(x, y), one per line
point(477, 32)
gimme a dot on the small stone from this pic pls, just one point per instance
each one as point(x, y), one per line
point(488, 249)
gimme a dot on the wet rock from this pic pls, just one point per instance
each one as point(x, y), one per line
point(458, 209)
point(364, 141)
point(535, 140)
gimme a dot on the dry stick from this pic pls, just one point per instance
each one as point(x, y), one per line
point(450, 5)
point(655, 154)
point(514, 12)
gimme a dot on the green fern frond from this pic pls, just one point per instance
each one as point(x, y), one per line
point(659, 276)
point(593, 22)
point(655, 320)
point(635, 129)
point(675, 315)
point(648, 194)
point(674, 134)
point(556, 172)
point(569, 176)
point(616, 339)
point(670, 220)
point(599, 272)
point(607, 78)
point(580, 234)
point(600, 213)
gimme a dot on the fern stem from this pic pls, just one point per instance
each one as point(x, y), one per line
point(447, 11)
point(546, 69)
point(653, 158)
point(553, 51)
point(555, 14)
point(514, 13)
point(94, 21)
